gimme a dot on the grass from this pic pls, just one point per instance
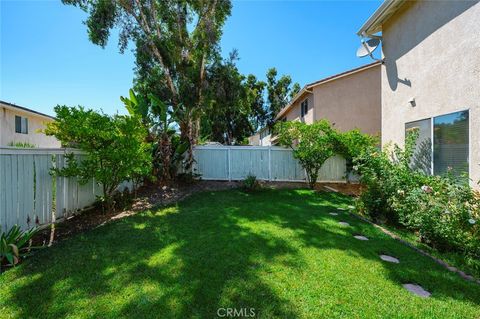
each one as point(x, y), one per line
point(277, 251)
point(467, 264)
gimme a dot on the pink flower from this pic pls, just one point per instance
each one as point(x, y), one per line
point(427, 189)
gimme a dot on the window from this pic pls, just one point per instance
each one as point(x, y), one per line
point(450, 146)
point(21, 125)
point(304, 108)
point(422, 155)
point(450, 143)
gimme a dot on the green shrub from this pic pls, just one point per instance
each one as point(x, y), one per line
point(443, 210)
point(312, 144)
point(114, 146)
point(21, 145)
point(251, 183)
point(15, 245)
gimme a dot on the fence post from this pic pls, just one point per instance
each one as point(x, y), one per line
point(270, 163)
point(229, 156)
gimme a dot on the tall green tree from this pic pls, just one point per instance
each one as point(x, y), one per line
point(279, 92)
point(174, 40)
point(236, 103)
point(256, 100)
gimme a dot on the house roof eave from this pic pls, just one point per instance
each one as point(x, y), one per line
point(374, 23)
point(12, 106)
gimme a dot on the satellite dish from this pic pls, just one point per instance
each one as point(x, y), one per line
point(368, 47)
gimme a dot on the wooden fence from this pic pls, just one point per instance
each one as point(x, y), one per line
point(31, 196)
point(269, 163)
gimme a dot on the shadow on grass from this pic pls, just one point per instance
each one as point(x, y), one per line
point(213, 250)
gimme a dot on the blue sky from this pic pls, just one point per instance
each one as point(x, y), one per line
point(46, 58)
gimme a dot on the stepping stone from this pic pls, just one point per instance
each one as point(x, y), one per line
point(344, 223)
point(417, 290)
point(360, 237)
point(341, 208)
point(351, 207)
point(390, 259)
point(333, 214)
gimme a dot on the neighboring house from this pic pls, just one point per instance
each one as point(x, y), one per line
point(431, 80)
point(349, 100)
point(21, 125)
point(261, 138)
point(254, 140)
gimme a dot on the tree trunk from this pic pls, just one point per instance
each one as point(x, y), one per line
point(192, 138)
point(165, 150)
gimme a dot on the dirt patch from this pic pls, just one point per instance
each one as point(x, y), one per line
point(349, 189)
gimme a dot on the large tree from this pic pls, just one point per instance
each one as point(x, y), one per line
point(174, 40)
point(279, 92)
point(236, 103)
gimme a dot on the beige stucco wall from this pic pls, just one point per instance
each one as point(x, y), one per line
point(254, 140)
point(432, 54)
point(294, 114)
point(352, 101)
point(35, 122)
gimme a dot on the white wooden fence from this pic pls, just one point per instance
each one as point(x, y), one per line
point(30, 196)
point(265, 162)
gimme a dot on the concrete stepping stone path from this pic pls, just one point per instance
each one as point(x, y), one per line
point(334, 214)
point(344, 223)
point(390, 259)
point(417, 290)
point(360, 237)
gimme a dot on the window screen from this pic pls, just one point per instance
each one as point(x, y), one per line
point(24, 125)
point(21, 124)
point(18, 124)
point(450, 138)
point(304, 108)
point(422, 155)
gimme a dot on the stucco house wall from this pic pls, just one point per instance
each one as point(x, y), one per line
point(35, 122)
point(295, 113)
point(352, 101)
point(432, 55)
point(254, 140)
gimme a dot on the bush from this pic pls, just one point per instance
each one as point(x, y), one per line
point(313, 144)
point(443, 210)
point(15, 245)
point(251, 183)
point(114, 146)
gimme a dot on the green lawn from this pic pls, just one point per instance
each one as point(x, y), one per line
point(277, 251)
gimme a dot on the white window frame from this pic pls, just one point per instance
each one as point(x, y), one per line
point(432, 137)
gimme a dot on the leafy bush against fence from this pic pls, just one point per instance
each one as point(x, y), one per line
point(313, 144)
point(443, 210)
point(115, 147)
